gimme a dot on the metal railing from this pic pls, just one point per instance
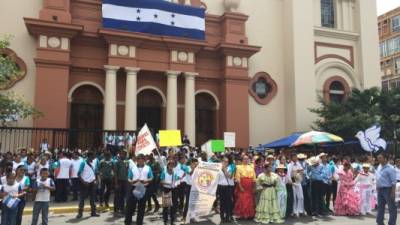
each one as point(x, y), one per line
point(13, 138)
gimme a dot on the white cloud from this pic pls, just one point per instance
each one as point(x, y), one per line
point(384, 6)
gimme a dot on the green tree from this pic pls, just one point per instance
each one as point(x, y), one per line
point(12, 106)
point(360, 111)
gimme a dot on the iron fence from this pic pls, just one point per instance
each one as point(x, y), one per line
point(13, 138)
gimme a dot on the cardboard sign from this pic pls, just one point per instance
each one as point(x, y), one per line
point(170, 138)
point(230, 139)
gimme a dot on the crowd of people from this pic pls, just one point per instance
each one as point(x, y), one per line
point(266, 188)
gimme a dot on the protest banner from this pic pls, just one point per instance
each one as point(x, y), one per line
point(145, 143)
point(170, 138)
point(203, 191)
point(230, 139)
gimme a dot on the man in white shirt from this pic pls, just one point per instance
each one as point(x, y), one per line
point(62, 175)
point(44, 146)
point(76, 163)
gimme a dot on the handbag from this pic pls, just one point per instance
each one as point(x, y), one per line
point(139, 191)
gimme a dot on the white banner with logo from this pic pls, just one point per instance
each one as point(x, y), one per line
point(203, 191)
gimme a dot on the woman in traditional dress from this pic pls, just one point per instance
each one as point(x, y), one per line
point(347, 201)
point(267, 210)
point(244, 194)
point(283, 180)
point(365, 181)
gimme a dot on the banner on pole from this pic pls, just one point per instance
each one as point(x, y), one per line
point(204, 188)
point(230, 139)
point(145, 143)
point(170, 138)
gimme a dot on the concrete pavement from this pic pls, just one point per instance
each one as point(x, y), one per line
point(156, 219)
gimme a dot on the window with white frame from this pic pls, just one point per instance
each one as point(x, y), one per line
point(328, 13)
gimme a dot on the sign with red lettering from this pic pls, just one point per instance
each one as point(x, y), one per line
point(145, 143)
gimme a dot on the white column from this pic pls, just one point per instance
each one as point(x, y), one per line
point(131, 98)
point(172, 100)
point(190, 113)
point(110, 98)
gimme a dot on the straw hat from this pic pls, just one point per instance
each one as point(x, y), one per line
point(270, 157)
point(281, 166)
point(301, 156)
point(313, 161)
point(322, 155)
point(366, 165)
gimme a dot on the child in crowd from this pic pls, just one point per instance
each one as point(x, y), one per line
point(44, 186)
point(11, 191)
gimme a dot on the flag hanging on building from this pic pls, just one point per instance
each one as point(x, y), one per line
point(155, 17)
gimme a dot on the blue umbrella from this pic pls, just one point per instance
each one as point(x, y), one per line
point(285, 142)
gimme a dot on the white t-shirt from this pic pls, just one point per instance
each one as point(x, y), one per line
point(86, 172)
point(43, 194)
point(40, 167)
point(225, 180)
point(31, 168)
point(76, 163)
point(12, 190)
point(65, 166)
point(16, 165)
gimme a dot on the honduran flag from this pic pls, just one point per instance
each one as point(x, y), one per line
point(156, 17)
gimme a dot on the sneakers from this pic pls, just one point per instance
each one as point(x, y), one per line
point(79, 216)
point(95, 215)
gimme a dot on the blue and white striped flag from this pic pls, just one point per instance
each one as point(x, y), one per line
point(155, 17)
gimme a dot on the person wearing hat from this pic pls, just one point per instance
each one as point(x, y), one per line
point(295, 173)
point(315, 173)
point(283, 181)
point(327, 177)
point(365, 181)
point(139, 178)
point(347, 201)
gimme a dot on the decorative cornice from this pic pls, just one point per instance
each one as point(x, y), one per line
point(332, 33)
point(37, 27)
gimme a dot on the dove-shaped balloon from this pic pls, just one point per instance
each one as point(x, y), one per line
point(370, 139)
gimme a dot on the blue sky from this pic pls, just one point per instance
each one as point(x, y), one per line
point(387, 5)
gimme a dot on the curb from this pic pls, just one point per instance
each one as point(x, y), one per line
point(67, 209)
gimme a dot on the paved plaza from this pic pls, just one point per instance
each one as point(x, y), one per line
point(155, 219)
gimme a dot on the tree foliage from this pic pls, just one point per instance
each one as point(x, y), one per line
point(361, 110)
point(12, 106)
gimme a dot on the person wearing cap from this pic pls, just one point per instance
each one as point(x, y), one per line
point(347, 201)
point(386, 187)
point(139, 178)
point(365, 181)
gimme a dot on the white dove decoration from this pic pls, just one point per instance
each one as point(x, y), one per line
point(370, 139)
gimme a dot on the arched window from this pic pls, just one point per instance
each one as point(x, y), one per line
point(328, 13)
point(336, 90)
